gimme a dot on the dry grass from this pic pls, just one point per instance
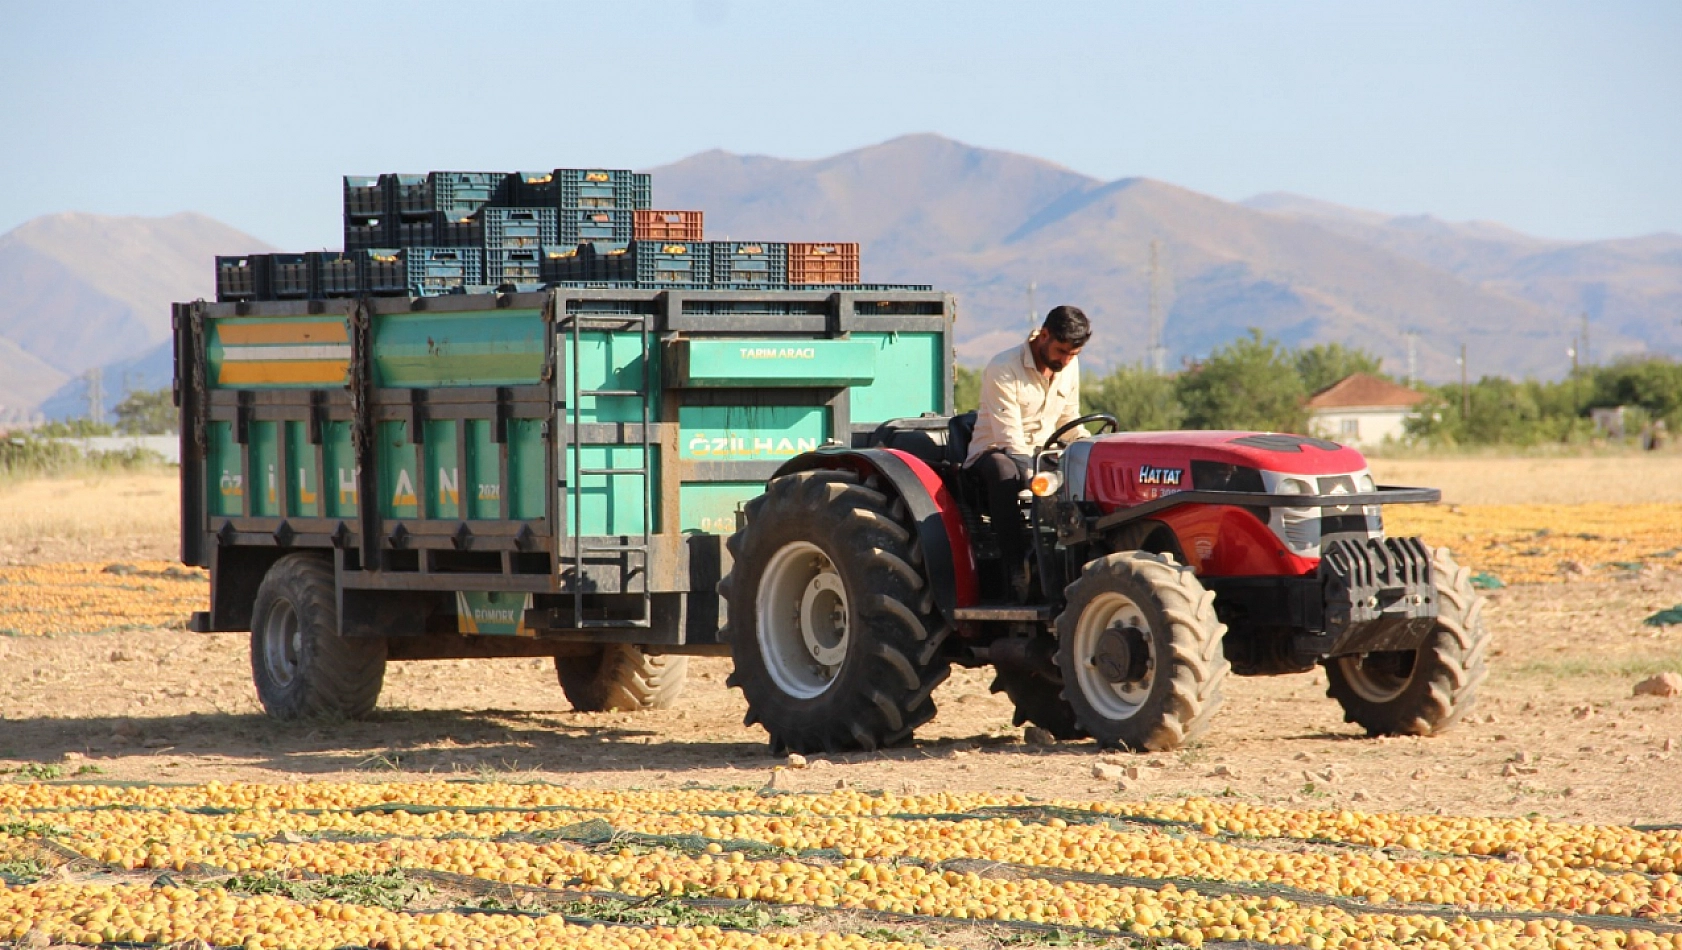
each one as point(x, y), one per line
point(1626, 479)
point(86, 518)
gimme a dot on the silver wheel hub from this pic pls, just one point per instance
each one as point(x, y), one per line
point(803, 620)
point(1115, 659)
point(283, 643)
point(1378, 677)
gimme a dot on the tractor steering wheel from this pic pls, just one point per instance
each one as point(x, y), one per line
point(1108, 420)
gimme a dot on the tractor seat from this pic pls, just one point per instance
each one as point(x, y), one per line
point(941, 442)
point(960, 430)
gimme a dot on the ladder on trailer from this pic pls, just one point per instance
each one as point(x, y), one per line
point(633, 553)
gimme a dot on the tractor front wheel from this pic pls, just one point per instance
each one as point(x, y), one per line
point(1419, 692)
point(1140, 651)
point(832, 625)
point(621, 678)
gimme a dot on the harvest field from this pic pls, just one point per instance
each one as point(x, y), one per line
point(145, 799)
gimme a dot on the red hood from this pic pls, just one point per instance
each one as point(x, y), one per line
point(1274, 452)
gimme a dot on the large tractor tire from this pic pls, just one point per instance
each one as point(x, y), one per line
point(1140, 651)
point(621, 678)
point(832, 624)
point(1039, 701)
point(301, 666)
point(1420, 692)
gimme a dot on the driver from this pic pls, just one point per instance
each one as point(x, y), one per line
point(1027, 393)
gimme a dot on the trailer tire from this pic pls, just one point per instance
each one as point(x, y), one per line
point(300, 664)
point(621, 678)
point(1039, 701)
point(1140, 650)
point(1425, 692)
point(832, 623)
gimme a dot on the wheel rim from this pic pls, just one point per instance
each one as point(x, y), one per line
point(1378, 677)
point(1115, 687)
point(803, 620)
point(283, 641)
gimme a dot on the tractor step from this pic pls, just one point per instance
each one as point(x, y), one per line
point(1016, 613)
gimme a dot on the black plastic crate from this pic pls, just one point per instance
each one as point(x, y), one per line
point(289, 277)
point(458, 195)
point(365, 196)
point(509, 228)
point(563, 264)
point(460, 232)
point(383, 272)
point(407, 194)
point(242, 277)
point(431, 271)
point(749, 265)
point(580, 225)
point(421, 232)
point(523, 265)
point(334, 274)
point(363, 232)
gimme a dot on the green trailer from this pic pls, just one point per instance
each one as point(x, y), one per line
point(547, 474)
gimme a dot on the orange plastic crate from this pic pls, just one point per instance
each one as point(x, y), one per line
point(667, 226)
point(823, 263)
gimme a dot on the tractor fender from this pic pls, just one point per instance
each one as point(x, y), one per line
point(947, 555)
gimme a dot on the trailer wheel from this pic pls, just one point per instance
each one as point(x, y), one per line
point(1420, 692)
point(621, 678)
point(1039, 701)
point(832, 623)
point(301, 666)
point(1140, 651)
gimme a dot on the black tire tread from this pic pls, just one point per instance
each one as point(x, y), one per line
point(621, 678)
point(337, 676)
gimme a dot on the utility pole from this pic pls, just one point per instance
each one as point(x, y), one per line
point(1411, 339)
point(96, 396)
point(1156, 357)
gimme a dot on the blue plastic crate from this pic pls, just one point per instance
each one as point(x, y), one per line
point(241, 277)
point(363, 232)
point(672, 263)
point(289, 277)
point(510, 228)
point(365, 197)
point(601, 188)
point(458, 195)
point(430, 271)
point(515, 266)
point(749, 265)
point(579, 225)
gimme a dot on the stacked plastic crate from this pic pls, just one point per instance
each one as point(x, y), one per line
point(458, 232)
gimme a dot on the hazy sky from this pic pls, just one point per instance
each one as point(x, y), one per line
point(1563, 120)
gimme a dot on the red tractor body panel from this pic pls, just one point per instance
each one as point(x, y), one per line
point(1222, 541)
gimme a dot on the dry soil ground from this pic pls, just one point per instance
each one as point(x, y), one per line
point(1557, 731)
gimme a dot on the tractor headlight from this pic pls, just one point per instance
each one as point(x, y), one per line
point(1294, 486)
point(1045, 484)
point(1365, 483)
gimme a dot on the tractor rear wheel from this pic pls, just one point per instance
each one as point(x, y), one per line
point(301, 666)
point(621, 678)
point(1140, 651)
point(831, 623)
point(1419, 692)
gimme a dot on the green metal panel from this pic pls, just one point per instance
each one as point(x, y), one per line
point(610, 504)
point(749, 433)
point(484, 472)
point(226, 471)
point(910, 374)
point(340, 464)
point(609, 360)
point(775, 362)
point(481, 348)
point(303, 494)
point(710, 507)
point(398, 498)
point(264, 448)
point(528, 481)
point(442, 470)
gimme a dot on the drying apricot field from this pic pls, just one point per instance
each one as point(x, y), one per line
point(145, 800)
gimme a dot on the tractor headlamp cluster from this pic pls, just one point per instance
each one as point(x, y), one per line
point(1045, 484)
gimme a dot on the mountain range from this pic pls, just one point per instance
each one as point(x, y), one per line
point(79, 291)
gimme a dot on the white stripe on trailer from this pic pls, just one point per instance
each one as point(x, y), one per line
point(330, 351)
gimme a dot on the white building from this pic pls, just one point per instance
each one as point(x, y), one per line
point(1362, 410)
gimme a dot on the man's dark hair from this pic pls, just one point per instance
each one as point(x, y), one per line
point(1068, 325)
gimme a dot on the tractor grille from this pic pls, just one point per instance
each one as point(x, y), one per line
point(1305, 530)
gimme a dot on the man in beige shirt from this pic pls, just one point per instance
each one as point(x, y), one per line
point(1027, 392)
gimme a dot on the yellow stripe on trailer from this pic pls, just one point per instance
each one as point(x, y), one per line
point(283, 372)
point(283, 331)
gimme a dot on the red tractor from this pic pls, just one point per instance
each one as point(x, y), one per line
point(1161, 562)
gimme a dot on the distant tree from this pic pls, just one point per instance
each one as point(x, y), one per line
point(149, 412)
point(1653, 384)
point(1139, 399)
point(1251, 383)
point(966, 389)
point(1325, 363)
